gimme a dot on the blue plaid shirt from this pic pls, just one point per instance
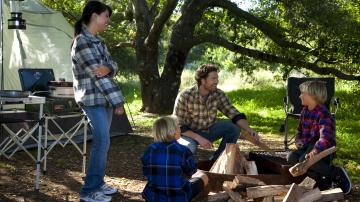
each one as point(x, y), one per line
point(87, 52)
point(167, 167)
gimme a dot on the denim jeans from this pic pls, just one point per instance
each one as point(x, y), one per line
point(226, 130)
point(99, 118)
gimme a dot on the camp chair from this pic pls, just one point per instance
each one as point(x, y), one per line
point(293, 106)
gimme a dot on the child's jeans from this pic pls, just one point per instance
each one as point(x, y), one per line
point(321, 168)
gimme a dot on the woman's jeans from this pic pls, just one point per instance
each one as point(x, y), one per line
point(99, 118)
point(225, 130)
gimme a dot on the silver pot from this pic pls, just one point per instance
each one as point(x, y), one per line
point(61, 92)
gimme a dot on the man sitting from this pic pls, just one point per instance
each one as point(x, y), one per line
point(196, 108)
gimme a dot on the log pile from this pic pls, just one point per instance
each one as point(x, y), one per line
point(241, 191)
point(247, 188)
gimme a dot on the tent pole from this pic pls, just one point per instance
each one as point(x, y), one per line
point(2, 44)
point(2, 49)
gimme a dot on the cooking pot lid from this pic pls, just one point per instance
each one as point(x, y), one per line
point(61, 83)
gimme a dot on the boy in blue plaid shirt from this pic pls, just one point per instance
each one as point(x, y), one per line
point(168, 166)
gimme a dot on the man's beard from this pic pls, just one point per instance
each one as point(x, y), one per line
point(211, 88)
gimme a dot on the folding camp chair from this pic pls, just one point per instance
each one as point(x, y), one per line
point(293, 106)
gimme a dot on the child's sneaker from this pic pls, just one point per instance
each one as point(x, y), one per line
point(95, 197)
point(108, 190)
point(342, 179)
point(324, 183)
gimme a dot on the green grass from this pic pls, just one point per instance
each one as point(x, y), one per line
point(260, 97)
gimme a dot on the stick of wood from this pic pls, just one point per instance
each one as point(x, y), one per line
point(302, 167)
point(246, 136)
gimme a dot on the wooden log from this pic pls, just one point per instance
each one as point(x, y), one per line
point(311, 195)
point(240, 179)
point(230, 161)
point(246, 136)
point(301, 168)
point(267, 190)
point(264, 199)
point(250, 167)
point(331, 195)
point(308, 183)
point(294, 193)
point(233, 195)
point(218, 197)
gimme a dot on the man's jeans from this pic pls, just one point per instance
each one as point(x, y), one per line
point(99, 118)
point(226, 130)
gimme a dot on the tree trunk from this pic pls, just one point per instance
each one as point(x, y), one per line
point(159, 92)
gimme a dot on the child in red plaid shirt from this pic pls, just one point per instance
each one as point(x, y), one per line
point(170, 167)
point(315, 133)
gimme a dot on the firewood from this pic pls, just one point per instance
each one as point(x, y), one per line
point(308, 183)
point(311, 195)
point(230, 161)
point(233, 195)
point(218, 197)
point(246, 136)
point(294, 193)
point(331, 195)
point(239, 179)
point(267, 190)
point(264, 199)
point(251, 168)
point(301, 168)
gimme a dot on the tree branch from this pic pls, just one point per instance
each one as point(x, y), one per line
point(153, 7)
point(125, 45)
point(266, 28)
point(272, 58)
point(142, 16)
point(159, 22)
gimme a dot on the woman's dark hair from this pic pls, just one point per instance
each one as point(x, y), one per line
point(203, 71)
point(90, 8)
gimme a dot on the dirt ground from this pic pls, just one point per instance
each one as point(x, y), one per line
point(63, 179)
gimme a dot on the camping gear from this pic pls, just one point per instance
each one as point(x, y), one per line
point(14, 93)
point(44, 44)
point(18, 138)
point(61, 89)
point(292, 102)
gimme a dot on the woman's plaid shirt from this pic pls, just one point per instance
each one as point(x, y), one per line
point(87, 52)
point(194, 113)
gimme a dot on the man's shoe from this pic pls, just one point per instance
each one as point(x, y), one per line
point(95, 197)
point(342, 179)
point(108, 190)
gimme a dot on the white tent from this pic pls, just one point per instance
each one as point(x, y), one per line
point(44, 44)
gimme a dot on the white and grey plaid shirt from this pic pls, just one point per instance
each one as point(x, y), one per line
point(87, 52)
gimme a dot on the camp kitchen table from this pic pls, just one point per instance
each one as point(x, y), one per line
point(29, 100)
point(62, 138)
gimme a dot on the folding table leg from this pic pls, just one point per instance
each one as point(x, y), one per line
point(38, 159)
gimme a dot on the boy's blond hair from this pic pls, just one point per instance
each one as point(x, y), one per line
point(164, 129)
point(316, 89)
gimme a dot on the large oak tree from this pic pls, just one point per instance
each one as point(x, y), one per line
point(318, 35)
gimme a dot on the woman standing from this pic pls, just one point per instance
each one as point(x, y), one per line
point(96, 93)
